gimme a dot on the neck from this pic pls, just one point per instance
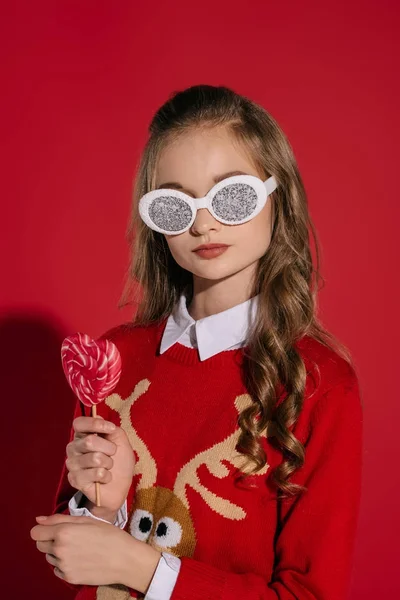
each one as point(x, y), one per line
point(214, 296)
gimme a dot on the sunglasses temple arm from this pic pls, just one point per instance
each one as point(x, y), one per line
point(270, 185)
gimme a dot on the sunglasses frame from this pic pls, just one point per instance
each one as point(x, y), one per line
point(262, 188)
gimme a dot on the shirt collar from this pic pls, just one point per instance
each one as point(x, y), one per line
point(214, 333)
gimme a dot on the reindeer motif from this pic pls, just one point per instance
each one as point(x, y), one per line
point(161, 517)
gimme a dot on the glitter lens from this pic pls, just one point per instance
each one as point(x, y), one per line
point(170, 213)
point(235, 202)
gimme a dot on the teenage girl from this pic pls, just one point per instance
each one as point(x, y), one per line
point(229, 456)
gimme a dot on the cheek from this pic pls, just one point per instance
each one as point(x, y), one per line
point(178, 246)
point(256, 234)
point(254, 243)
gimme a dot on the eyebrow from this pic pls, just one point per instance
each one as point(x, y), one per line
point(217, 179)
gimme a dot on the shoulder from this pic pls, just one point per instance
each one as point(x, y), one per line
point(137, 346)
point(129, 336)
point(326, 368)
point(332, 393)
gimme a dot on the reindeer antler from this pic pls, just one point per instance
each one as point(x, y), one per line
point(145, 465)
point(212, 458)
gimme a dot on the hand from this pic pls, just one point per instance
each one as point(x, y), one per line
point(85, 551)
point(108, 460)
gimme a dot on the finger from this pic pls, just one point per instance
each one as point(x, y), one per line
point(59, 573)
point(42, 533)
point(46, 547)
point(47, 529)
point(51, 521)
point(71, 450)
point(53, 560)
point(89, 460)
point(94, 443)
point(83, 425)
point(84, 479)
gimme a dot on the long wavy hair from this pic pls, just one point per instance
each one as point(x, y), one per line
point(286, 280)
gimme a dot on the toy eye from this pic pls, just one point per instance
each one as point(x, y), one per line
point(141, 524)
point(168, 533)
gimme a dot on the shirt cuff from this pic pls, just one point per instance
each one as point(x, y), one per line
point(120, 520)
point(164, 578)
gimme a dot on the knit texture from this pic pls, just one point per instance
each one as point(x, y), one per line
point(235, 540)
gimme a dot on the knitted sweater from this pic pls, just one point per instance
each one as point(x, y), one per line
point(235, 540)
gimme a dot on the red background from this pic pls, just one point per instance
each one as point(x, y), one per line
point(80, 82)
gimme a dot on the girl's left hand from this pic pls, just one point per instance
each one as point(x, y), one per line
point(85, 551)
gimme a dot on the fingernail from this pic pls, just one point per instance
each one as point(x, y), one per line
point(41, 518)
point(109, 426)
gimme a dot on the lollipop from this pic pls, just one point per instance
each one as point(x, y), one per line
point(93, 369)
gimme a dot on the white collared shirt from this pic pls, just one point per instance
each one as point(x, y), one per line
point(226, 330)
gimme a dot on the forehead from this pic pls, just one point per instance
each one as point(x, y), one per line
point(197, 157)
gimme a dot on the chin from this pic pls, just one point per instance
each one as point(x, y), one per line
point(213, 271)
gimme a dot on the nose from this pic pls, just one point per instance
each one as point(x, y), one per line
point(204, 222)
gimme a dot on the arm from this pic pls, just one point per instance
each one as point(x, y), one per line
point(317, 530)
point(69, 500)
point(66, 496)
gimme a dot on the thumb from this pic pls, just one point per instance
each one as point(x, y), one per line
point(118, 436)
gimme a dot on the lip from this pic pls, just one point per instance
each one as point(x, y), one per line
point(209, 251)
point(210, 246)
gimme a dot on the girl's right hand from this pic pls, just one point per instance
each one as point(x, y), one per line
point(107, 458)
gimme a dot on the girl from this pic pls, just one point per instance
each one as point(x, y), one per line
point(230, 453)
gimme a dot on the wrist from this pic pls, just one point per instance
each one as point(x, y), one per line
point(101, 512)
point(139, 562)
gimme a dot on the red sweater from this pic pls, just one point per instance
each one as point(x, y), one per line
point(234, 542)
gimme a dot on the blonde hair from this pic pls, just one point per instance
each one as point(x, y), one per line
point(286, 280)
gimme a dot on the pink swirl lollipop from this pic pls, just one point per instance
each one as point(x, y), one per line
point(93, 369)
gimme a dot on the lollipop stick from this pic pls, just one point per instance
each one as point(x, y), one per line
point(94, 414)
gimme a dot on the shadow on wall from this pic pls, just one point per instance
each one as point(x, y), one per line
point(38, 410)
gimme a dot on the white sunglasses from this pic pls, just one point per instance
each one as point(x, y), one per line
point(232, 201)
